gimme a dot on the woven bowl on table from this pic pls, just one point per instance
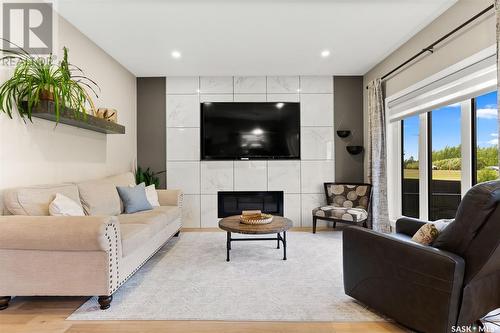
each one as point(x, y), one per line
point(264, 219)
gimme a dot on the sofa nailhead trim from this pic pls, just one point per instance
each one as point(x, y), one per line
point(140, 266)
point(112, 254)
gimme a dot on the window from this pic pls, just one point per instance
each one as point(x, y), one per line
point(435, 192)
point(442, 138)
point(445, 161)
point(485, 124)
point(410, 175)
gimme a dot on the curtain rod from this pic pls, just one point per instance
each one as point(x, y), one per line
point(430, 48)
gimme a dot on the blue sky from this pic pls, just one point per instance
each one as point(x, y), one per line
point(487, 121)
point(446, 126)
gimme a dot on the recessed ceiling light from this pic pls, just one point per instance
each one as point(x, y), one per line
point(176, 54)
point(325, 53)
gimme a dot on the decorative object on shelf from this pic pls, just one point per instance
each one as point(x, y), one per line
point(46, 110)
point(255, 217)
point(38, 79)
point(354, 150)
point(107, 114)
point(343, 133)
point(148, 176)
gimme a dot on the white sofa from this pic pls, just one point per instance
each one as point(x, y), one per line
point(90, 255)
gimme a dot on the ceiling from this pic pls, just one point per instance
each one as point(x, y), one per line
point(252, 37)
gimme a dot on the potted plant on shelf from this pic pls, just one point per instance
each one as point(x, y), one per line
point(37, 79)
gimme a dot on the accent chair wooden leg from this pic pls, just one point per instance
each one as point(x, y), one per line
point(4, 302)
point(334, 224)
point(314, 224)
point(177, 233)
point(105, 301)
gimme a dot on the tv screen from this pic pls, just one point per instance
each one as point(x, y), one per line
point(235, 131)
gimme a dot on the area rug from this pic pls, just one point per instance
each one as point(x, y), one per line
point(189, 279)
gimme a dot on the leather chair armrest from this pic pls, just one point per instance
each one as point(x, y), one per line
point(408, 226)
point(59, 233)
point(170, 197)
point(404, 255)
point(417, 285)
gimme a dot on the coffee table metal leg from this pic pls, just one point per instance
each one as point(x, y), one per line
point(278, 238)
point(228, 244)
point(284, 245)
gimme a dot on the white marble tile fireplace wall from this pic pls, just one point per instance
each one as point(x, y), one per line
point(302, 181)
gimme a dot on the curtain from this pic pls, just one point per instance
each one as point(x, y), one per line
point(377, 164)
point(497, 9)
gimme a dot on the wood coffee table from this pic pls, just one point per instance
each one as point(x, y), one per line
point(277, 226)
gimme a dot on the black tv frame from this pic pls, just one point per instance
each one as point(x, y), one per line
point(255, 158)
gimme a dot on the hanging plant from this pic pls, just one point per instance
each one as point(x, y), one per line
point(36, 79)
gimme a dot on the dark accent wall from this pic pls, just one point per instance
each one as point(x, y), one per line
point(348, 115)
point(151, 125)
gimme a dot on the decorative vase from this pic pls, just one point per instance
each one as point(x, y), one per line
point(107, 114)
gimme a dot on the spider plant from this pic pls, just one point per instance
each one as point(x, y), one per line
point(147, 176)
point(38, 78)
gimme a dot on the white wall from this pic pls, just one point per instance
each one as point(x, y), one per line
point(302, 181)
point(40, 153)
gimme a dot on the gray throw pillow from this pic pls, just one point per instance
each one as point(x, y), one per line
point(134, 198)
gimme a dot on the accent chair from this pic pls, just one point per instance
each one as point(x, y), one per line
point(346, 203)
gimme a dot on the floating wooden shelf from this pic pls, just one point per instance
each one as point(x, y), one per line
point(45, 110)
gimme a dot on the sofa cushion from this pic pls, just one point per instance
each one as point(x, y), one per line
point(35, 200)
point(475, 208)
point(100, 197)
point(133, 237)
point(156, 219)
point(123, 179)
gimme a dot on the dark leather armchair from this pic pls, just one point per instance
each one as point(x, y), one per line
point(430, 288)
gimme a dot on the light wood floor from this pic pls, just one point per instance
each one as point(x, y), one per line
point(48, 314)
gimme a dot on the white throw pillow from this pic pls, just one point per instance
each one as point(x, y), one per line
point(64, 206)
point(152, 195)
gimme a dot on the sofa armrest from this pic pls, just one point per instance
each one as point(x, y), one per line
point(58, 233)
point(409, 226)
point(170, 197)
point(417, 285)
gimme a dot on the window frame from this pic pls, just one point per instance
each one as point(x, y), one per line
point(468, 136)
point(402, 131)
point(473, 141)
point(428, 134)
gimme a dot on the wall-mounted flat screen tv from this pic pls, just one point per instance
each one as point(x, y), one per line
point(241, 131)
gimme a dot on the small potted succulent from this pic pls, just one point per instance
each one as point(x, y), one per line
point(37, 79)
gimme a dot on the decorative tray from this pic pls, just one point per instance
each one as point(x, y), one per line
point(255, 219)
